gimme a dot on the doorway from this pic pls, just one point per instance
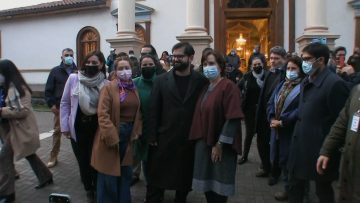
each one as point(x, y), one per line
point(243, 35)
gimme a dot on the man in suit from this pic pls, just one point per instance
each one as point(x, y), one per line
point(173, 100)
point(272, 79)
point(323, 95)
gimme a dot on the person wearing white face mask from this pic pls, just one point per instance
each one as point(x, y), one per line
point(216, 128)
point(78, 114)
point(53, 92)
point(120, 123)
point(282, 114)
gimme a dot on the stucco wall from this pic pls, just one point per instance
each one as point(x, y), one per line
point(36, 43)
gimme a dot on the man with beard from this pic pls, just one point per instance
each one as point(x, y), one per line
point(173, 99)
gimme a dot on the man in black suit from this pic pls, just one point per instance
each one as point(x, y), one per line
point(173, 100)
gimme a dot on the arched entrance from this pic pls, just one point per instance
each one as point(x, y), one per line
point(242, 24)
point(88, 40)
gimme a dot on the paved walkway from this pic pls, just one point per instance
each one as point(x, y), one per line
point(249, 189)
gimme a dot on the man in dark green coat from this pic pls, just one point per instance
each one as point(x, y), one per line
point(345, 133)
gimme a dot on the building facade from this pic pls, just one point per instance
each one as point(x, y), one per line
point(34, 36)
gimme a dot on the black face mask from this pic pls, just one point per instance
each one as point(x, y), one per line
point(91, 70)
point(257, 69)
point(180, 66)
point(148, 72)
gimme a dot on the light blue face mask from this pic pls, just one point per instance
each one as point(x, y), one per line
point(292, 75)
point(211, 72)
point(68, 60)
point(307, 67)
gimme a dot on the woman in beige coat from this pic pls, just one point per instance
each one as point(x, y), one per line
point(119, 124)
point(23, 132)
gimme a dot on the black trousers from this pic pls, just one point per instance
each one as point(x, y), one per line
point(42, 173)
point(212, 197)
point(263, 139)
point(156, 195)
point(275, 166)
point(297, 190)
point(85, 128)
point(250, 132)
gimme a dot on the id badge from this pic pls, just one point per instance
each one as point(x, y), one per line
point(355, 122)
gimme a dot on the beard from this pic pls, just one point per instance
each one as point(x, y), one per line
point(181, 66)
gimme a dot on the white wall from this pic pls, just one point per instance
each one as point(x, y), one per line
point(167, 22)
point(36, 43)
point(340, 20)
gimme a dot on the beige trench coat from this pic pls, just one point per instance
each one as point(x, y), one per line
point(24, 133)
point(105, 156)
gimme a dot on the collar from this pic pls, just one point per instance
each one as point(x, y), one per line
point(320, 77)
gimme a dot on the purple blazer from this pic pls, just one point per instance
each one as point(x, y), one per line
point(69, 105)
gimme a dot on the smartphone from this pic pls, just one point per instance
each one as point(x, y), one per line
point(59, 198)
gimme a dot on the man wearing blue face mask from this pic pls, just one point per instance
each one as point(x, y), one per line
point(53, 92)
point(322, 96)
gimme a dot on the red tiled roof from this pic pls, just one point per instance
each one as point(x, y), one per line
point(51, 6)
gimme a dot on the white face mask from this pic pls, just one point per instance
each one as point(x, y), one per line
point(2, 79)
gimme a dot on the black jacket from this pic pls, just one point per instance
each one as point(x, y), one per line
point(55, 84)
point(170, 164)
point(272, 79)
point(250, 92)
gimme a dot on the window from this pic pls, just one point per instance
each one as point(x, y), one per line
point(88, 40)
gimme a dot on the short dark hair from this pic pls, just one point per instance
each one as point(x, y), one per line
point(131, 52)
point(278, 50)
point(188, 48)
point(339, 48)
point(354, 61)
point(298, 62)
point(153, 50)
point(101, 58)
point(66, 49)
point(318, 50)
point(220, 60)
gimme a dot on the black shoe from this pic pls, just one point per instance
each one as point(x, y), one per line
point(134, 180)
point(243, 160)
point(281, 196)
point(7, 198)
point(272, 181)
point(261, 173)
point(44, 184)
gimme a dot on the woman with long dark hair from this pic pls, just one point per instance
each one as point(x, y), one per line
point(21, 134)
point(78, 114)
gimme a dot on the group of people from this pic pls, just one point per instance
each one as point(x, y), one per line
point(182, 124)
point(291, 108)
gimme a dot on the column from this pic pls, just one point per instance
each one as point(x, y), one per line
point(126, 17)
point(316, 16)
point(316, 25)
point(126, 39)
point(195, 32)
point(195, 16)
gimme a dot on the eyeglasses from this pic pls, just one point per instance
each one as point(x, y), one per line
point(172, 57)
point(307, 58)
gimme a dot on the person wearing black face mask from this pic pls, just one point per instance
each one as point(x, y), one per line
point(144, 85)
point(91, 70)
point(250, 86)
